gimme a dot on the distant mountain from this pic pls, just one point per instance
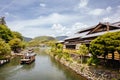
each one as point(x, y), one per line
point(44, 38)
point(27, 39)
point(59, 38)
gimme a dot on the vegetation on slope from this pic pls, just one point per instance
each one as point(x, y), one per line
point(9, 40)
point(42, 40)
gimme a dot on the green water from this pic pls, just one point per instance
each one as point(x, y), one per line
point(44, 68)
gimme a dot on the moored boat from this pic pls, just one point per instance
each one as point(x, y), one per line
point(28, 58)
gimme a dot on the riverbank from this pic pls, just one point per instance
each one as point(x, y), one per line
point(89, 72)
point(4, 61)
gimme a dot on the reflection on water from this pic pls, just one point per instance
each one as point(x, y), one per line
point(70, 74)
point(44, 68)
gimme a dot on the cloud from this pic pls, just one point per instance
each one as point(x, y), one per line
point(84, 9)
point(83, 3)
point(99, 11)
point(96, 12)
point(42, 5)
point(106, 19)
point(33, 32)
point(113, 17)
point(77, 26)
point(108, 9)
point(38, 19)
point(42, 20)
point(55, 20)
point(60, 30)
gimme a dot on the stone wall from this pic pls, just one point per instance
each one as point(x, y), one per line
point(89, 72)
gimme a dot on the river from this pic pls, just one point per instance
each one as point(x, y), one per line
point(44, 68)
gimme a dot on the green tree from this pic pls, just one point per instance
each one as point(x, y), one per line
point(5, 33)
point(16, 45)
point(107, 43)
point(83, 50)
point(58, 48)
point(17, 35)
point(4, 49)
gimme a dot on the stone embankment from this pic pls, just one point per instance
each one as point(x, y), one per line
point(88, 72)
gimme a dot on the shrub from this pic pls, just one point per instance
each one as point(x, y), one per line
point(4, 49)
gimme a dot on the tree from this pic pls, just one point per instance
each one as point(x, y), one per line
point(5, 33)
point(16, 45)
point(107, 43)
point(17, 35)
point(83, 50)
point(59, 48)
point(4, 49)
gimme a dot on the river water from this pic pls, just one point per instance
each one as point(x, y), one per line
point(44, 68)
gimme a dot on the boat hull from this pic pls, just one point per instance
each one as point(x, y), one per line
point(27, 61)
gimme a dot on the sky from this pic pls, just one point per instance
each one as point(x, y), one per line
point(34, 18)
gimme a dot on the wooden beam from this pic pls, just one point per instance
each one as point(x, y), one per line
point(98, 26)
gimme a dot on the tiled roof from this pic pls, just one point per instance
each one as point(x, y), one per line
point(98, 34)
point(77, 35)
point(117, 24)
point(87, 30)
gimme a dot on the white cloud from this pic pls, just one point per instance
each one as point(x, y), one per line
point(113, 17)
point(83, 3)
point(83, 8)
point(42, 5)
point(96, 12)
point(106, 19)
point(33, 32)
point(58, 28)
point(99, 11)
point(42, 22)
point(77, 26)
point(108, 9)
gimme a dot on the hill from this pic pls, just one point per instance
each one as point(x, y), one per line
point(42, 40)
point(59, 38)
point(27, 39)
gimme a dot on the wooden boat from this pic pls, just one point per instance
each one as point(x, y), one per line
point(28, 58)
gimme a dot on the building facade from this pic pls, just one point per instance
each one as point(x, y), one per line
point(87, 35)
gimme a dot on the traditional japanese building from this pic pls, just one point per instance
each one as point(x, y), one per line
point(87, 35)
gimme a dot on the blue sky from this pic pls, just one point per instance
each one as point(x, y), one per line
point(57, 17)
